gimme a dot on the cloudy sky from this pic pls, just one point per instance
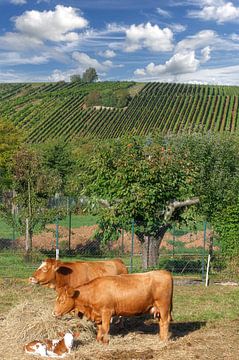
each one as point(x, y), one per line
point(143, 40)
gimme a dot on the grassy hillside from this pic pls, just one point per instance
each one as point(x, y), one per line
point(51, 110)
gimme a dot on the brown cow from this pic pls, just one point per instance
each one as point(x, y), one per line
point(54, 273)
point(122, 295)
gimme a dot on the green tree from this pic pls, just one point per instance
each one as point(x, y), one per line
point(216, 161)
point(59, 157)
point(142, 181)
point(76, 78)
point(90, 75)
point(33, 183)
point(93, 98)
point(227, 227)
point(123, 97)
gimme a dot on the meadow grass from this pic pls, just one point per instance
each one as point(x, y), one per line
point(78, 221)
point(6, 231)
point(200, 303)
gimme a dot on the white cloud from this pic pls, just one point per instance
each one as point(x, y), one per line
point(162, 12)
point(228, 75)
point(209, 38)
point(58, 75)
point(177, 27)
point(180, 63)
point(18, 2)
point(54, 25)
point(19, 42)
point(219, 11)
point(234, 37)
point(85, 61)
point(108, 54)
point(201, 39)
point(205, 54)
point(9, 76)
point(148, 36)
point(14, 58)
point(115, 28)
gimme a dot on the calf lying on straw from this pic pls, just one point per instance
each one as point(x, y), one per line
point(51, 348)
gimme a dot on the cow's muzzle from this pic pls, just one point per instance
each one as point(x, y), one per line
point(33, 280)
point(55, 314)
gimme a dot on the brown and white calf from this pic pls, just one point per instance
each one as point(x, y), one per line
point(51, 348)
point(121, 295)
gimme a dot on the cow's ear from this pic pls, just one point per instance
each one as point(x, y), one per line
point(56, 266)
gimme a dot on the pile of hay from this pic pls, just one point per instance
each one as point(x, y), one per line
point(32, 319)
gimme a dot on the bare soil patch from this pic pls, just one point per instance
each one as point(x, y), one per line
point(83, 238)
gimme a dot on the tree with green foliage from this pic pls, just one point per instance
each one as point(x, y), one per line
point(154, 181)
point(123, 97)
point(33, 183)
point(90, 75)
point(108, 98)
point(227, 227)
point(59, 157)
point(76, 78)
point(93, 98)
point(140, 181)
point(216, 160)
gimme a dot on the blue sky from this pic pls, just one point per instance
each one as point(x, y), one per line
point(174, 40)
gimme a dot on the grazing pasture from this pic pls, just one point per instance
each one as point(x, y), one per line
point(206, 323)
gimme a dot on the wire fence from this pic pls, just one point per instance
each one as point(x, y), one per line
point(184, 252)
point(73, 236)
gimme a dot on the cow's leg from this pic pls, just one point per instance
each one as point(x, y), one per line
point(164, 320)
point(106, 316)
point(99, 333)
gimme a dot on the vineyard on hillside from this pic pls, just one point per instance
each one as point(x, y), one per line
point(45, 111)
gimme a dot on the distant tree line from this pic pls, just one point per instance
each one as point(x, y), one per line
point(88, 76)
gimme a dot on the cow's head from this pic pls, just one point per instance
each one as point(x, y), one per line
point(65, 301)
point(46, 272)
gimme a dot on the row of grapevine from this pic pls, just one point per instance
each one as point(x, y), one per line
point(51, 110)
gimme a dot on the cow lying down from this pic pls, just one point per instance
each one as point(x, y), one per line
point(51, 348)
point(121, 295)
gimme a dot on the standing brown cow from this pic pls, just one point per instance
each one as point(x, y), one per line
point(54, 273)
point(122, 295)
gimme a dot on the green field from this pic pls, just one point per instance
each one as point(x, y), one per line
point(52, 110)
point(79, 220)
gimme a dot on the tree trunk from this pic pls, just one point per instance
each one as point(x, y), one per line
point(150, 252)
point(150, 247)
point(28, 248)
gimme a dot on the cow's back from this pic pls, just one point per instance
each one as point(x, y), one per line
point(81, 272)
point(129, 293)
point(106, 268)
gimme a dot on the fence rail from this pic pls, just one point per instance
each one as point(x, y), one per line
point(182, 251)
